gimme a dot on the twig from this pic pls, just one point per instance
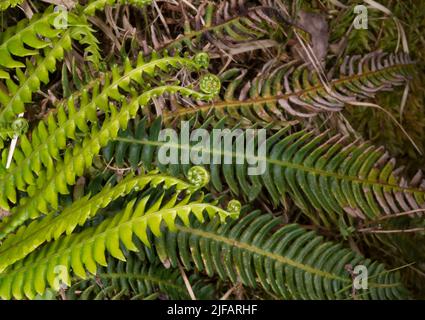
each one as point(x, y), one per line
point(374, 230)
point(394, 215)
point(187, 283)
point(229, 292)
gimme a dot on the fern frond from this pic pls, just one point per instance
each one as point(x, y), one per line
point(295, 91)
point(20, 92)
point(33, 157)
point(4, 4)
point(287, 260)
point(86, 250)
point(62, 173)
point(25, 39)
point(327, 176)
point(36, 72)
point(93, 5)
point(136, 278)
point(227, 25)
point(84, 34)
point(29, 238)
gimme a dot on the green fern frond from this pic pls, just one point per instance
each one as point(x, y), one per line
point(25, 39)
point(84, 251)
point(84, 34)
point(4, 4)
point(94, 5)
point(61, 173)
point(327, 176)
point(29, 238)
point(20, 92)
point(287, 260)
point(36, 72)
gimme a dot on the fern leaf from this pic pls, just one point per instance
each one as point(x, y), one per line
point(29, 80)
point(21, 93)
point(294, 91)
point(26, 38)
point(28, 238)
point(327, 176)
point(287, 260)
point(64, 172)
point(84, 251)
point(136, 278)
point(33, 157)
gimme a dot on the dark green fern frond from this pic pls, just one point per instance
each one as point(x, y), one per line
point(287, 260)
point(135, 279)
point(327, 176)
